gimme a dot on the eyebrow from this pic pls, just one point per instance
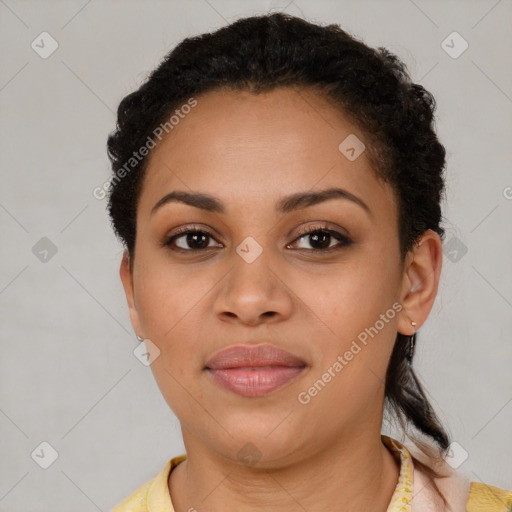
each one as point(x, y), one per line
point(287, 204)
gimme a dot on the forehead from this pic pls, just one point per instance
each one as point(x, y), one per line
point(244, 147)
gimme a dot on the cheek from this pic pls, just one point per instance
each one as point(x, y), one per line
point(167, 295)
point(344, 299)
point(351, 366)
point(355, 309)
point(175, 307)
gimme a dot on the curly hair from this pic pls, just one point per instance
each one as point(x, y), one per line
point(371, 87)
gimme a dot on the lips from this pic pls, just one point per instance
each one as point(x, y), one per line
point(253, 356)
point(253, 371)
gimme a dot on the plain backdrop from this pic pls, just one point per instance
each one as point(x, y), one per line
point(68, 375)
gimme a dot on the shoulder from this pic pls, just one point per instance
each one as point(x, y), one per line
point(461, 494)
point(153, 495)
point(136, 501)
point(487, 498)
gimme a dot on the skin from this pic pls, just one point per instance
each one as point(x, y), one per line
point(249, 151)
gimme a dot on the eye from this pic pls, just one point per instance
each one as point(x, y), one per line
point(321, 238)
point(189, 240)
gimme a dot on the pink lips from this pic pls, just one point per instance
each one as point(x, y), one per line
point(254, 370)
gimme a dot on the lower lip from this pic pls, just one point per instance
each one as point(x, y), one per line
point(255, 382)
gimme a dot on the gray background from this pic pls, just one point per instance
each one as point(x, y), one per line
point(68, 375)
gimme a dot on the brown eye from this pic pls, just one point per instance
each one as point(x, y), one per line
point(321, 239)
point(189, 240)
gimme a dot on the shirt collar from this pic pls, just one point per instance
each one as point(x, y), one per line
point(158, 498)
point(402, 497)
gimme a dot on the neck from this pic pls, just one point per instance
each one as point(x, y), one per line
point(359, 474)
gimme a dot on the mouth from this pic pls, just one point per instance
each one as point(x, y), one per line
point(254, 370)
point(255, 381)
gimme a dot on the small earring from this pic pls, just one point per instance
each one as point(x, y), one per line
point(139, 338)
point(412, 339)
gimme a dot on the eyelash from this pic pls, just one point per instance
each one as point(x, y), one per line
point(345, 241)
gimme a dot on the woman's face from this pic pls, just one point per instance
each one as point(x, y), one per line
point(256, 278)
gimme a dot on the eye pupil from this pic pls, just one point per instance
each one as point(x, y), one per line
point(192, 238)
point(320, 235)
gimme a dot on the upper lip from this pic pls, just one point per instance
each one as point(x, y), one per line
point(242, 356)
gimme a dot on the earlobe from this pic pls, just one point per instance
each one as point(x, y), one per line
point(420, 282)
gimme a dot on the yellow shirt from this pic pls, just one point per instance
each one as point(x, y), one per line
point(154, 496)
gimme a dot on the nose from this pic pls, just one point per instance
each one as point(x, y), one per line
point(253, 293)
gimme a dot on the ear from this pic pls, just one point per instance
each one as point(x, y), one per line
point(420, 281)
point(126, 273)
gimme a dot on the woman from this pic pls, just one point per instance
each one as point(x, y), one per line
point(277, 188)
